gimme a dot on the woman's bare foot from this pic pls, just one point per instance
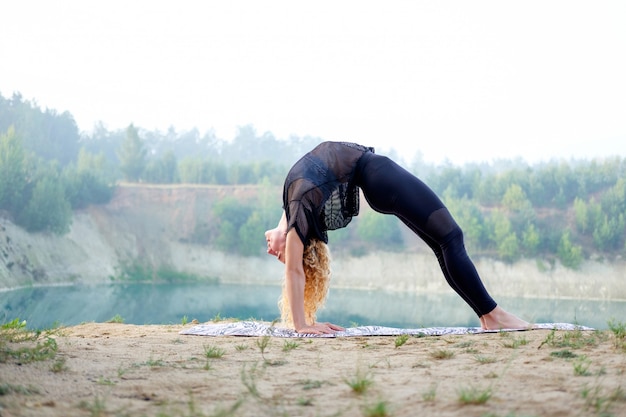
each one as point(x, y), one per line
point(498, 319)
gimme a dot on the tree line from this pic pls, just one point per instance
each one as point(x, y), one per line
point(565, 210)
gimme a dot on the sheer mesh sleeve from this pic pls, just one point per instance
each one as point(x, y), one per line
point(301, 212)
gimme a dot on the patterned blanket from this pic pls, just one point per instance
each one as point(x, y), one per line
point(253, 328)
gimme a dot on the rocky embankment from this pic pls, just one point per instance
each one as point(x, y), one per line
point(156, 224)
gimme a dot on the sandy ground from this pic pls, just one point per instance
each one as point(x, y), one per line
point(112, 369)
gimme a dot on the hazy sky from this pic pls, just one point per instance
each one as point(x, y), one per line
point(462, 80)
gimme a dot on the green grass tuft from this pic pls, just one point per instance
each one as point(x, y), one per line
point(473, 395)
point(360, 382)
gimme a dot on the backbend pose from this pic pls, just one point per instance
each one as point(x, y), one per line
point(321, 193)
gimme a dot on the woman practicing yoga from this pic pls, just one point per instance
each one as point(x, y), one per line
point(321, 193)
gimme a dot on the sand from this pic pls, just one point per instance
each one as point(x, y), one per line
point(114, 369)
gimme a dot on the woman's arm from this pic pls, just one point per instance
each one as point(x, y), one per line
point(282, 223)
point(295, 281)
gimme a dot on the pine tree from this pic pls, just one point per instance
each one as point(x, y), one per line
point(12, 171)
point(132, 155)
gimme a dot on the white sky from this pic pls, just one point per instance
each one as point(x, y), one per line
point(457, 80)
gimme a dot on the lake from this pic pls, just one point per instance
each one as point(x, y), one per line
point(44, 307)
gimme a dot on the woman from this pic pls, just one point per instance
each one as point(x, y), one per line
point(321, 193)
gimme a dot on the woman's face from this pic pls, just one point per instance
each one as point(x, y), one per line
point(276, 241)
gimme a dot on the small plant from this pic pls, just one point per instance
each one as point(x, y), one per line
point(121, 371)
point(96, 409)
point(219, 411)
point(442, 354)
point(550, 339)
point(18, 389)
point(58, 365)
point(116, 319)
point(600, 401)
point(379, 409)
point(485, 359)
point(581, 366)
point(619, 395)
point(262, 343)
point(241, 348)
point(401, 340)
point(217, 318)
point(105, 381)
point(430, 394)
point(473, 395)
point(360, 382)
point(421, 365)
point(311, 384)
point(574, 339)
point(305, 402)
point(184, 320)
point(14, 324)
point(290, 345)
point(213, 352)
point(154, 363)
point(248, 380)
point(619, 332)
point(514, 342)
point(16, 332)
point(564, 354)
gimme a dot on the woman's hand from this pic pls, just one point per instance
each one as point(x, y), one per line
point(320, 328)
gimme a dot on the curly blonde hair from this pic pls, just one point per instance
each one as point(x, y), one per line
point(316, 263)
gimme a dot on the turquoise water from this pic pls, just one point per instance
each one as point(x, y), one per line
point(44, 307)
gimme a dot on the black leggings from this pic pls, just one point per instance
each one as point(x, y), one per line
point(390, 189)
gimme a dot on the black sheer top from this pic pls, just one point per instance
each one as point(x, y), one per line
point(319, 192)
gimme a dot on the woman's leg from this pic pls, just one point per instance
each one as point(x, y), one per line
point(391, 189)
point(457, 268)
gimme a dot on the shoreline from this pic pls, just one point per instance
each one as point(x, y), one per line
point(266, 284)
point(136, 303)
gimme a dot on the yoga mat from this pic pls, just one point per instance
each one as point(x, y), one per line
point(254, 328)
